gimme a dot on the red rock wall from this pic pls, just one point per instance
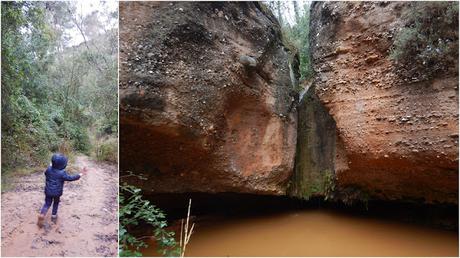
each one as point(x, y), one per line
point(395, 139)
point(192, 117)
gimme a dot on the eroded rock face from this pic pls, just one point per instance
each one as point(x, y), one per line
point(193, 116)
point(395, 139)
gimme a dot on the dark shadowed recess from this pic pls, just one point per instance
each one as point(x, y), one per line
point(208, 206)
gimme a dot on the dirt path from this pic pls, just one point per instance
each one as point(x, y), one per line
point(87, 224)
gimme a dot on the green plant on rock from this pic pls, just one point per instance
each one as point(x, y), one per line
point(329, 185)
point(133, 210)
point(355, 194)
point(306, 192)
point(427, 45)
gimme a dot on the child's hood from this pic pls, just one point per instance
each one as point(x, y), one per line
point(58, 161)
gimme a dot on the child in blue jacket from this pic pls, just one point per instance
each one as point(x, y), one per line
point(55, 178)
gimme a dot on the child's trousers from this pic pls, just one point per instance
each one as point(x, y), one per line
point(47, 205)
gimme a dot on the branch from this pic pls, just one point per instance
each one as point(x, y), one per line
point(85, 41)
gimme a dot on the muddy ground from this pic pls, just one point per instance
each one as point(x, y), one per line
point(87, 223)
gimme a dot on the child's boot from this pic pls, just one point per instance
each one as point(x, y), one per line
point(54, 218)
point(41, 219)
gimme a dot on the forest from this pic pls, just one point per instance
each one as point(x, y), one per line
point(59, 83)
point(294, 20)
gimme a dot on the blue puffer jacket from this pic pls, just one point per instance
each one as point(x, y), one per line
point(56, 175)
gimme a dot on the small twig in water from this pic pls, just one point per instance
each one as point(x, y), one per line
point(181, 233)
point(188, 232)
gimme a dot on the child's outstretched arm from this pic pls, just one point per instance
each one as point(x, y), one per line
point(68, 177)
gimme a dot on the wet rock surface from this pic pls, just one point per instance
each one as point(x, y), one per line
point(397, 139)
point(316, 143)
point(194, 115)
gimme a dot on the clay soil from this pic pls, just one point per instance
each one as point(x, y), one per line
point(87, 224)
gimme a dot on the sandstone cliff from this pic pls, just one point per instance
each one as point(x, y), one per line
point(206, 98)
point(207, 105)
point(395, 139)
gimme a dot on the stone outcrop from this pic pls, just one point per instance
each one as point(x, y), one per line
point(395, 139)
point(206, 98)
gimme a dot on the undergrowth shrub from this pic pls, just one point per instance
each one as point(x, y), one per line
point(427, 45)
point(26, 141)
point(135, 210)
point(108, 126)
point(80, 138)
point(106, 149)
point(65, 148)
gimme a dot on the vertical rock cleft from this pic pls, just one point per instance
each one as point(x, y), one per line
point(314, 171)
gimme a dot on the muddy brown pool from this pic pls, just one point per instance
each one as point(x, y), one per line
point(316, 233)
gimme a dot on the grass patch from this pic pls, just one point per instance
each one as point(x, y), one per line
point(106, 149)
point(9, 177)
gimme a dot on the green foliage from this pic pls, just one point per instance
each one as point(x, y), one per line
point(79, 136)
point(323, 185)
point(355, 195)
point(329, 185)
point(427, 46)
point(296, 36)
point(106, 149)
point(25, 131)
point(51, 91)
point(133, 210)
